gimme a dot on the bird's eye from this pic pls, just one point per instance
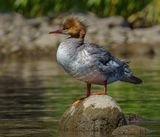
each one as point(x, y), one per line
point(66, 28)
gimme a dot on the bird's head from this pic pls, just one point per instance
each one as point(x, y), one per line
point(73, 27)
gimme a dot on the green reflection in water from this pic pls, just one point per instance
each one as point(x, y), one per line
point(34, 95)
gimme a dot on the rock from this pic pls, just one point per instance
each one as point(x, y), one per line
point(21, 35)
point(95, 113)
point(83, 134)
point(133, 118)
point(46, 40)
point(114, 21)
point(130, 130)
point(145, 35)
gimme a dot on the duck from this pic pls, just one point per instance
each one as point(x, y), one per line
point(89, 62)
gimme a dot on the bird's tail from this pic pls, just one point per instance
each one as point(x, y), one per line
point(132, 79)
point(129, 77)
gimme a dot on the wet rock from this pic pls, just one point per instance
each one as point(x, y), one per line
point(133, 118)
point(95, 113)
point(130, 130)
point(83, 134)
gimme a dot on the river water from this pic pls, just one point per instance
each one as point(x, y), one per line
point(35, 93)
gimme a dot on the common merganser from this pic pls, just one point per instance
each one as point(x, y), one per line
point(89, 62)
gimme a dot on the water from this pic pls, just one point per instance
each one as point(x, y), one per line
point(34, 94)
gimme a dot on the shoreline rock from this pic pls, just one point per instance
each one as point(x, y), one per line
point(20, 36)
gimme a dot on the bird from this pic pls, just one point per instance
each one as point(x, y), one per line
point(89, 62)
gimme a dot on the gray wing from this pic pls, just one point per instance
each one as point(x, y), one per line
point(103, 59)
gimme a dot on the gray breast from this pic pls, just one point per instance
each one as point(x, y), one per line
point(67, 54)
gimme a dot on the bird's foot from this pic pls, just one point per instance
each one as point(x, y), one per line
point(99, 93)
point(78, 101)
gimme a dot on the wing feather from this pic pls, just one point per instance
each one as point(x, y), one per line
point(103, 59)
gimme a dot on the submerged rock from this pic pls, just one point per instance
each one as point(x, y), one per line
point(130, 130)
point(95, 113)
point(131, 118)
